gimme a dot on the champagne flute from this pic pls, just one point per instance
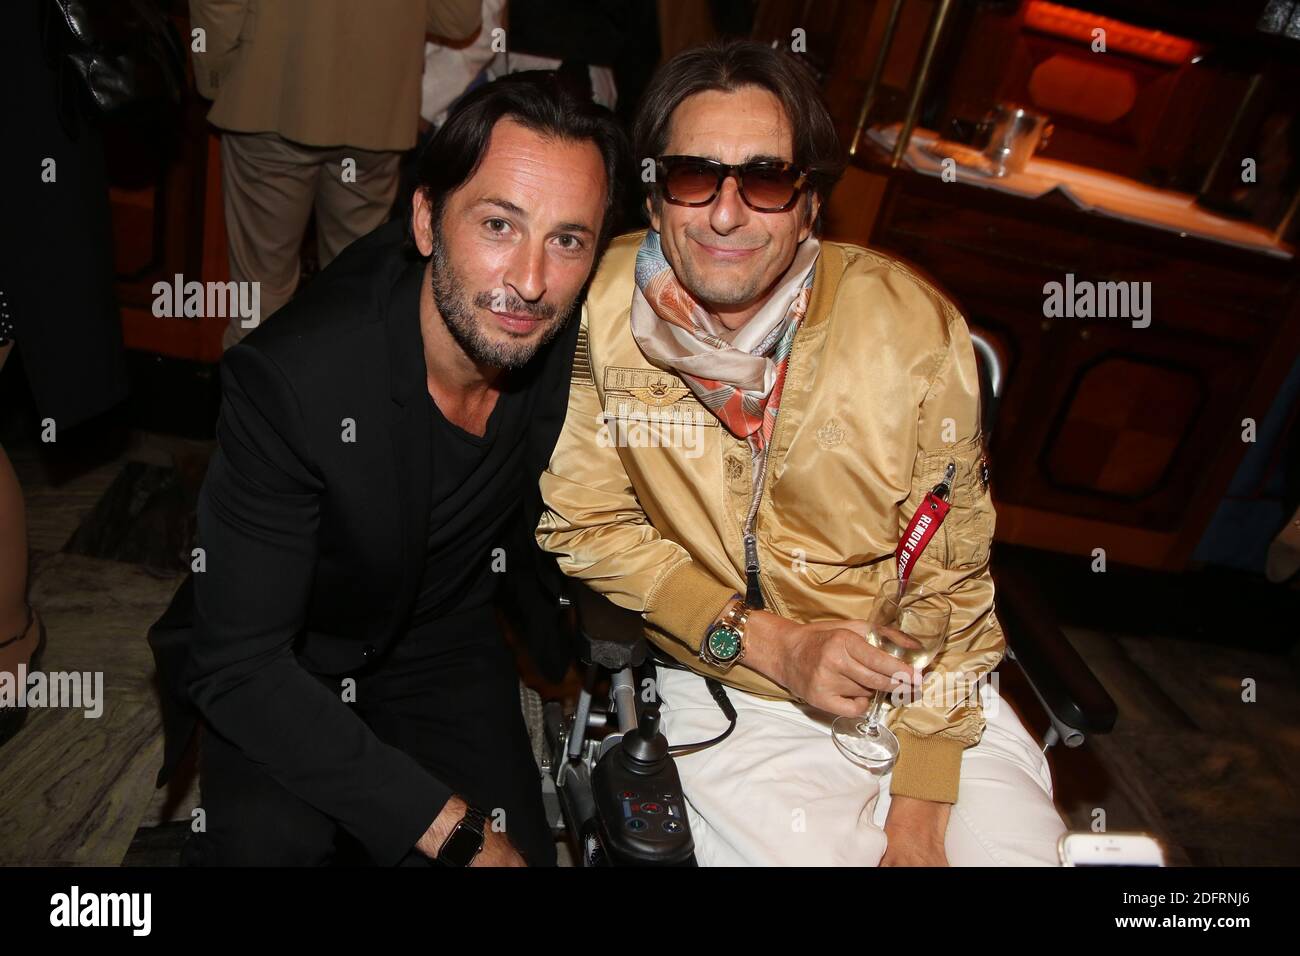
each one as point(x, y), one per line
point(911, 625)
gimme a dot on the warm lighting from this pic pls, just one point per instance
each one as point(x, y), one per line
point(1121, 37)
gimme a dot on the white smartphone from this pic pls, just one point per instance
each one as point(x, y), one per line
point(1109, 849)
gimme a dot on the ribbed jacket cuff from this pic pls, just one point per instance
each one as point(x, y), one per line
point(928, 768)
point(686, 602)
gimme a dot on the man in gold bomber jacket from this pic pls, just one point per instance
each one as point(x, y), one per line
point(735, 376)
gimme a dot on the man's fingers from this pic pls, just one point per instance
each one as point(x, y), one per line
point(882, 662)
point(860, 705)
point(842, 706)
point(847, 705)
point(896, 635)
point(879, 662)
point(855, 674)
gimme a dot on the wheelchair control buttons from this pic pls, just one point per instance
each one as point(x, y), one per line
point(638, 804)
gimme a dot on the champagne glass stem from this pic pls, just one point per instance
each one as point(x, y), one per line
point(873, 715)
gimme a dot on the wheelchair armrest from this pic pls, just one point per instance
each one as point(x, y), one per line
point(610, 636)
point(1059, 676)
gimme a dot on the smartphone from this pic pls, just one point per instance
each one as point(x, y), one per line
point(1109, 849)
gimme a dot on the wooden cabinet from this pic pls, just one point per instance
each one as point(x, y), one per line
point(1108, 435)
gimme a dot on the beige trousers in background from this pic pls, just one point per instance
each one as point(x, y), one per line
point(270, 188)
point(778, 792)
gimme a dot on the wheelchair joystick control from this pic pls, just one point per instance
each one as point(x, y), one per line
point(638, 803)
point(645, 750)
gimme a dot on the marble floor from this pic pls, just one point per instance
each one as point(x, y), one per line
point(1216, 778)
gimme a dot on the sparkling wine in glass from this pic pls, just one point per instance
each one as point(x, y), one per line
point(909, 622)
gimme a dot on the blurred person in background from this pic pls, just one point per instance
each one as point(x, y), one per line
point(58, 311)
point(453, 69)
point(317, 101)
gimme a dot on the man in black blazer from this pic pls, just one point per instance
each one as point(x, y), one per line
point(373, 495)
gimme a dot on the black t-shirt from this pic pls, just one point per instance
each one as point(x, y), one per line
point(477, 485)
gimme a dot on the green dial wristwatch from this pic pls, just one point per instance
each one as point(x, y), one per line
point(724, 645)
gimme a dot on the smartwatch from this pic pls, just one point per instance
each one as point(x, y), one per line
point(724, 644)
point(464, 841)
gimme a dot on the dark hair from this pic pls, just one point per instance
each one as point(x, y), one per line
point(728, 65)
point(539, 100)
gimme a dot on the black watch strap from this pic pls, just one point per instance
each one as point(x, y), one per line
point(465, 839)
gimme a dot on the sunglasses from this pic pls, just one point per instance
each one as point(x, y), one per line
point(765, 185)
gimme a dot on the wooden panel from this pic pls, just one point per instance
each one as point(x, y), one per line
point(1198, 291)
point(1198, 296)
point(1122, 426)
point(168, 220)
point(1067, 534)
point(948, 219)
point(851, 212)
point(1103, 424)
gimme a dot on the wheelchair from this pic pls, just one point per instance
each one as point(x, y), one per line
point(609, 781)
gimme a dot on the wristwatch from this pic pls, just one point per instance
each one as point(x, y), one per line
point(464, 841)
point(724, 644)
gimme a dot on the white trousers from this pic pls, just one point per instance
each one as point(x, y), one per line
point(778, 792)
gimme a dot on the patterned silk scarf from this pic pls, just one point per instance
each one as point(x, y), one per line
point(737, 375)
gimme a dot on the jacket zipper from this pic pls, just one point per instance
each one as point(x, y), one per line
point(753, 590)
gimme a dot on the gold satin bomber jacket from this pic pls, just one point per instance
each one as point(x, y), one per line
point(881, 393)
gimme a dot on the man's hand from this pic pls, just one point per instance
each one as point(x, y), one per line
point(497, 849)
point(829, 664)
point(916, 830)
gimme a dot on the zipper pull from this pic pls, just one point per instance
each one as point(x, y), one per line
point(944, 488)
point(753, 589)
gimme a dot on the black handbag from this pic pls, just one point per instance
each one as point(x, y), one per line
point(126, 52)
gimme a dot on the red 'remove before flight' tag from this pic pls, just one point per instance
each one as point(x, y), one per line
point(919, 531)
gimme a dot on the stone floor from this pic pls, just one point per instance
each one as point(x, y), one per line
point(1214, 777)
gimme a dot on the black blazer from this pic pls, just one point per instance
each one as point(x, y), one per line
point(315, 546)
